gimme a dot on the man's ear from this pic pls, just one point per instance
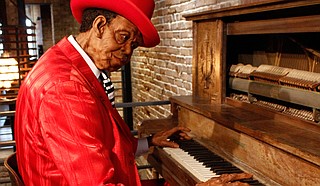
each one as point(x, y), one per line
point(99, 24)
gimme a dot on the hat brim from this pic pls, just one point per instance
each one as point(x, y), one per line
point(124, 8)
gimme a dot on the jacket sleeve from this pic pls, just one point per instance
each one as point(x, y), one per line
point(74, 129)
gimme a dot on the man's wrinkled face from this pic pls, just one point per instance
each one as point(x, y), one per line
point(116, 44)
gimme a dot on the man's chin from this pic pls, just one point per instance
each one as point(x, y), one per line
point(112, 69)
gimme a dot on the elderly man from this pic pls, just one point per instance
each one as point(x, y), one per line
point(67, 131)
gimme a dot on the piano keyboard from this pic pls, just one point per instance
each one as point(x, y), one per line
point(203, 163)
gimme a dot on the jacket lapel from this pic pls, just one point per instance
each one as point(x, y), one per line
point(80, 64)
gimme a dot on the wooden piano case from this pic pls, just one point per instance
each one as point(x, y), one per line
point(277, 148)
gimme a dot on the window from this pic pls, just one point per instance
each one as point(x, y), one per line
point(1, 44)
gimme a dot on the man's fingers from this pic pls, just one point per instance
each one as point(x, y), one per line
point(185, 136)
point(184, 129)
point(177, 129)
point(227, 180)
point(169, 144)
point(237, 183)
point(161, 138)
point(241, 176)
point(234, 177)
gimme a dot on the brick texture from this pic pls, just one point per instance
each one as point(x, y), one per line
point(166, 70)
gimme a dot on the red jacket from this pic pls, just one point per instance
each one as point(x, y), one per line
point(66, 131)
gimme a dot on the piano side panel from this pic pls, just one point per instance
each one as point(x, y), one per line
point(251, 155)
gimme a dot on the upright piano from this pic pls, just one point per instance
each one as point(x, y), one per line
point(256, 96)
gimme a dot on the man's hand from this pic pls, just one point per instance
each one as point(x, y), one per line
point(161, 138)
point(227, 180)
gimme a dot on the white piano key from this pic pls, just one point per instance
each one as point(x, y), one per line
point(193, 166)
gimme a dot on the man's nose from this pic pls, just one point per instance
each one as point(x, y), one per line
point(127, 48)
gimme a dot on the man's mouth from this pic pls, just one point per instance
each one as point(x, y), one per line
point(123, 59)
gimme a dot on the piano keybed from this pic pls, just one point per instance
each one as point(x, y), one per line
point(203, 163)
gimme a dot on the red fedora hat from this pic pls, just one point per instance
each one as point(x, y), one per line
point(139, 12)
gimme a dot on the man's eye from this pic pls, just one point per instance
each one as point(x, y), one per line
point(134, 45)
point(121, 38)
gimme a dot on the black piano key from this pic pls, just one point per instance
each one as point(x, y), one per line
point(209, 159)
point(194, 148)
point(204, 155)
point(198, 153)
point(257, 183)
point(250, 181)
point(228, 171)
point(222, 168)
point(218, 168)
point(215, 161)
point(218, 165)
